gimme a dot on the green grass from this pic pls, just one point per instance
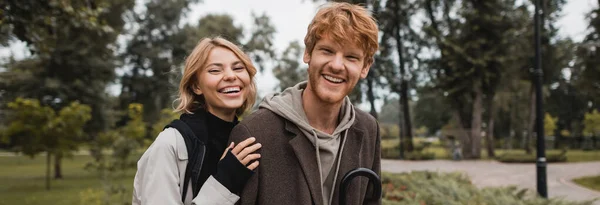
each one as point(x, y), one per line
point(442, 153)
point(590, 182)
point(23, 181)
point(426, 187)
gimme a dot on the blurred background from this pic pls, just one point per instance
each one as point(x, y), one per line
point(86, 86)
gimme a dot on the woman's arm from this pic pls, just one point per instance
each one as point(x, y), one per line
point(157, 179)
point(233, 171)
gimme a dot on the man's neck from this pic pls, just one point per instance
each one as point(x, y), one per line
point(321, 115)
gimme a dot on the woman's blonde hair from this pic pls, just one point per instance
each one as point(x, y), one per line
point(196, 61)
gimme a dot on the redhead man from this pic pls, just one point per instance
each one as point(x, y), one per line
point(311, 134)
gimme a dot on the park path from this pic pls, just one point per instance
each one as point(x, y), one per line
point(493, 173)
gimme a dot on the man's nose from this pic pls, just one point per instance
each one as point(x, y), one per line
point(337, 63)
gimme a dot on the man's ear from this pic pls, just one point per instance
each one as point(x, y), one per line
point(365, 70)
point(306, 57)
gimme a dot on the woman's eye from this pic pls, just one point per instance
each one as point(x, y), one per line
point(213, 71)
point(239, 68)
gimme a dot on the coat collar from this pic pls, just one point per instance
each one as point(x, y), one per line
point(305, 153)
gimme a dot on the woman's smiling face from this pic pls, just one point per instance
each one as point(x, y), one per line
point(223, 82)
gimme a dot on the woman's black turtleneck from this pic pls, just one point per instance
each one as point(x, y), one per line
point(229, 171)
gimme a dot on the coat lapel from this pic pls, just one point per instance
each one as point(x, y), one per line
point(350, 159)
point(305, 153)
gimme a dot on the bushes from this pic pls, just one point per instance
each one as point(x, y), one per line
point(389, 150)
point(531, 158)
point(453, 188)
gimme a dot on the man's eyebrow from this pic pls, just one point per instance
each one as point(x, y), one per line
point(324, 46)
point(356, 54)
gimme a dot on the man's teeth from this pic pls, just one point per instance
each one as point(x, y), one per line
point(332, 79)
point(229, 90)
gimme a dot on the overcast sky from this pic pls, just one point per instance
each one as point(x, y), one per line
point(291, 17)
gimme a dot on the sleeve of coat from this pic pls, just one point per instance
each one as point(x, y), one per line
point(249, 194)
point(160, 181)
point(214, 193)
point(377, 169)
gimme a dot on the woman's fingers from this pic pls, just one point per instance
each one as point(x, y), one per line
point(253, 165)
point(246, 151)
point(240, 146)
point(226, 150)
point(249, 158)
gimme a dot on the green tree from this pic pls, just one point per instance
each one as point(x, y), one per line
point(399, 38)
point(115, 152)
point(289, 71)
point(166, 116)
point(591, 124)
point(35, 128)
point(586, 72)
point(260, 45)
point(72, 45)
point(549, 124)
point(430, 111)
point(390, 111)
point(157, 46)
point(474, 45)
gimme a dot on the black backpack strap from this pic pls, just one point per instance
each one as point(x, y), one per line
point(196, 151)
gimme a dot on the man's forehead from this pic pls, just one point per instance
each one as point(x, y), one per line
point(340, 43)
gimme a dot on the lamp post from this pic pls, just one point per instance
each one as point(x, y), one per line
point(538, 74)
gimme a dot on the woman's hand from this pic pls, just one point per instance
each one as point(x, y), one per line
point(243, 152)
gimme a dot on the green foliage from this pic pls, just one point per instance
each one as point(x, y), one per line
point(591, 182)
point(115, 153)
point(549, 124)
point(422, 131)
point(389, 131)
point(389, 150)
point(72, 45)
point(166, 116)
point(289, 71)
point(27, 121)
point(453, 188)
point(529, 158)
point(35, 128)
point(591, 124)
point(390, 111)
point(260, 45)
point(565, 133)
point(587, 63)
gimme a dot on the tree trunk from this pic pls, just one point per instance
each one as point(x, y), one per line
point(57, 167)
point(406, 115)
point(401, 144)
point(403, 86)
point(476, 122)
point(489, 137)
point(48, 161)
point(531, 124)
point(463, 136)
point(371, 95)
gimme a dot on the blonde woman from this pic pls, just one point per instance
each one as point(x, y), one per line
point(217, 86)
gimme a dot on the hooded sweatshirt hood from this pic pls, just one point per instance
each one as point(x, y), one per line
point(288, 104)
